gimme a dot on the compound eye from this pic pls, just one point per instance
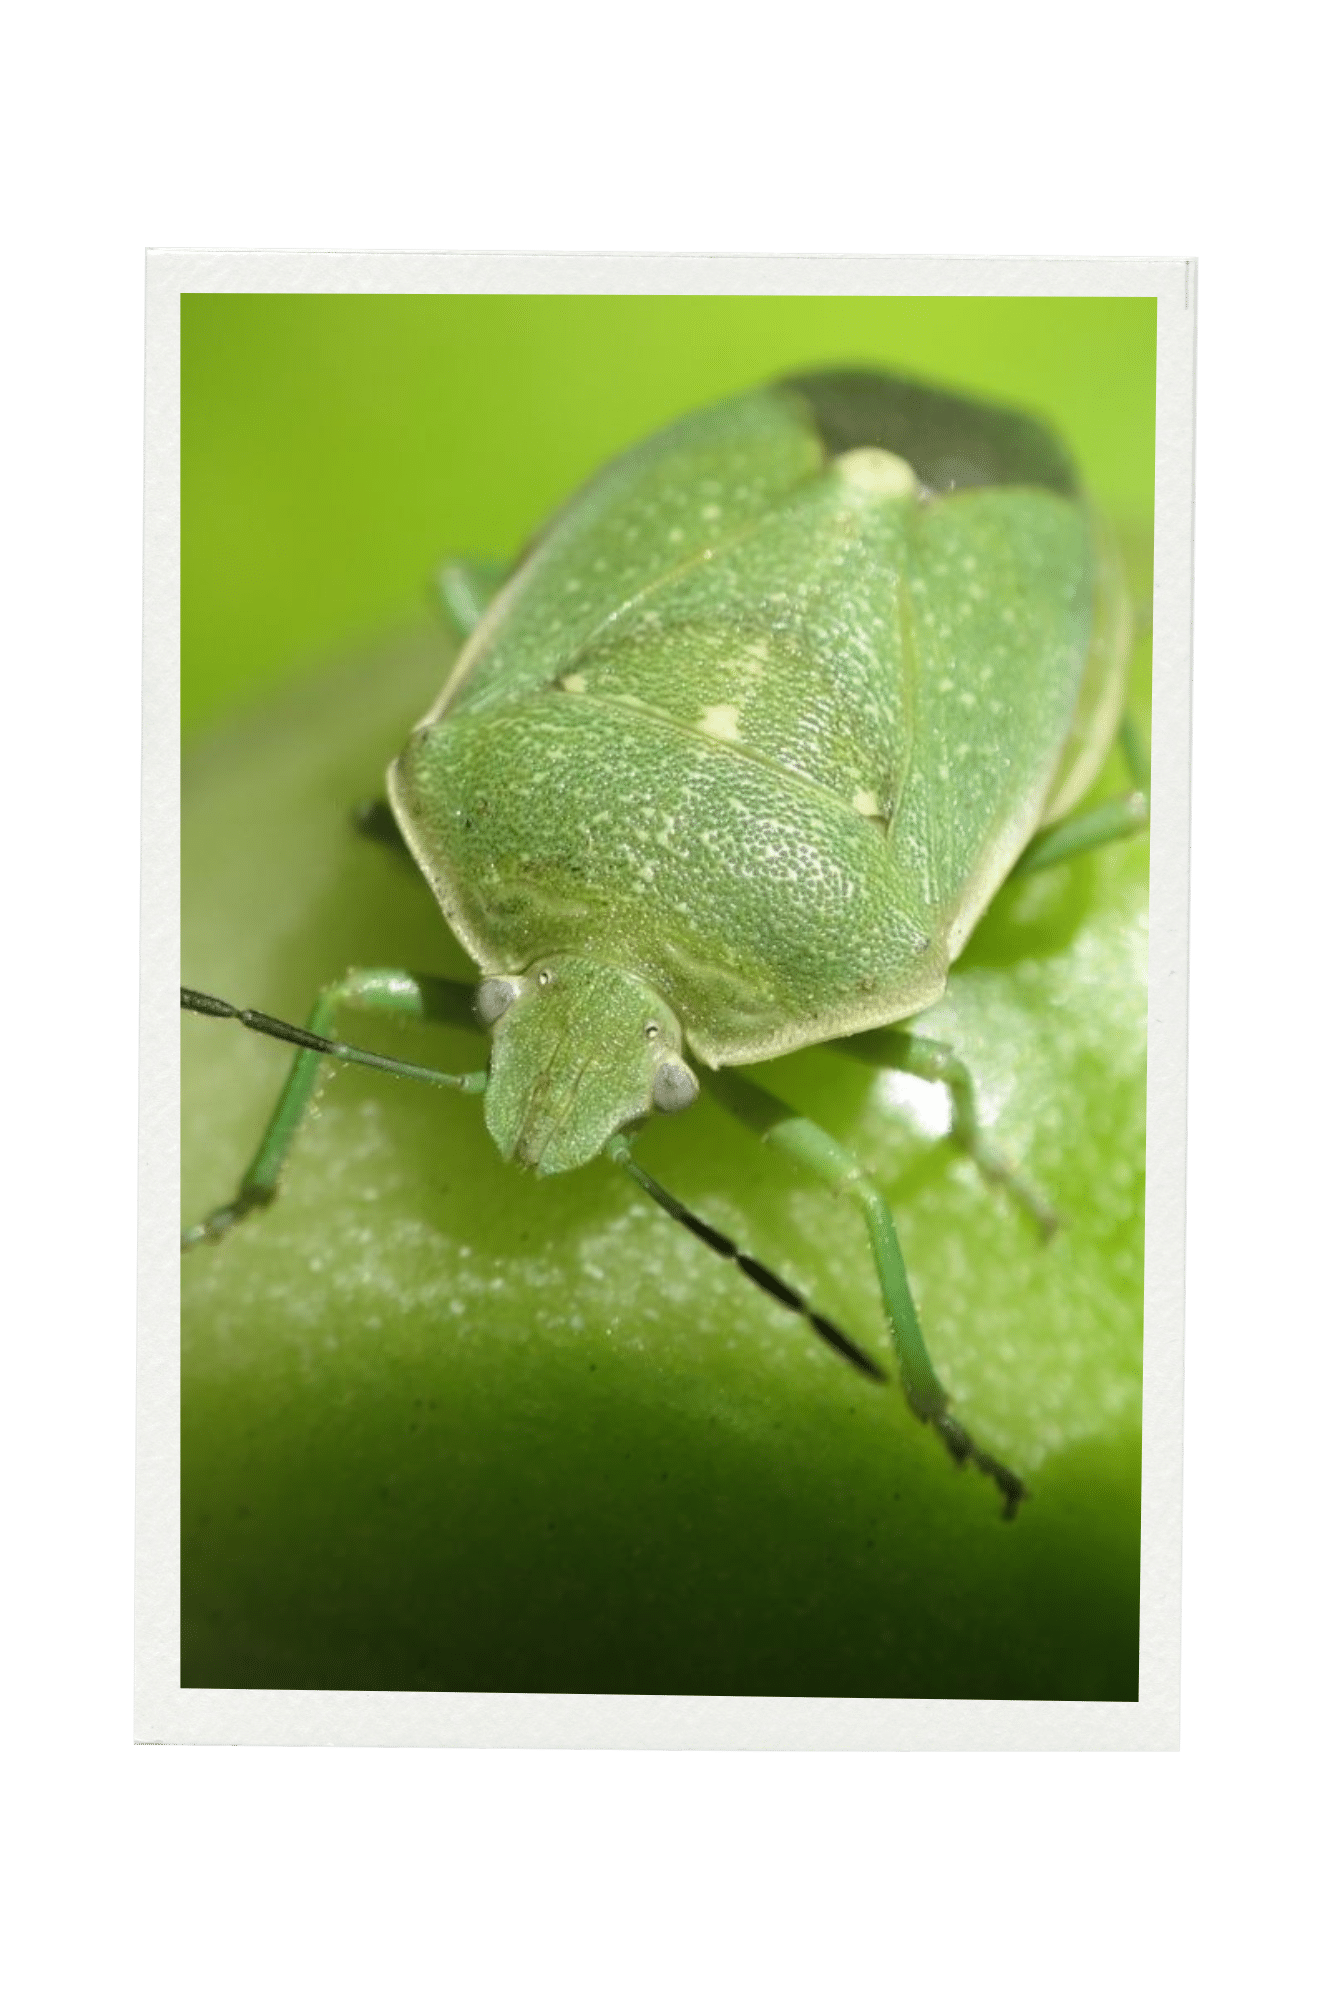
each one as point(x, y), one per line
point(674, 1087)
point(493, 997)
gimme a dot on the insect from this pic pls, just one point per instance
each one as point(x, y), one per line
point(733, 762)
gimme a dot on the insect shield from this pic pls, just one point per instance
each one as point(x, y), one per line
point(733, 763)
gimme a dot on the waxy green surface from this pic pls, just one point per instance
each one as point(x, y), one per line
point(449, 1426)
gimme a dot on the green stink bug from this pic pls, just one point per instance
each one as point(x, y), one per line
point(733, 764)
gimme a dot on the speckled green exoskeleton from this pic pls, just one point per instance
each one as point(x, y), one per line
point(733, 762)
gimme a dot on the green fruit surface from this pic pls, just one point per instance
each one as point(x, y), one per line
point(449, 1427)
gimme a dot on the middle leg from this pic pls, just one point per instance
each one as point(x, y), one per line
point(936, 1062)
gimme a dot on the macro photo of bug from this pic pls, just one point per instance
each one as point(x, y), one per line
point(633, 1259)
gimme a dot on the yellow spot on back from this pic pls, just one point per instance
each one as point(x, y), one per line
point(880, 475)
point(722, 721)
point(867, 803)
point(573, 683)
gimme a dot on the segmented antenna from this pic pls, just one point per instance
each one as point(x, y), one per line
point(193, 1002)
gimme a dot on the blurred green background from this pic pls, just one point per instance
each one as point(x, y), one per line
point(334, 449)
point(448, 1427)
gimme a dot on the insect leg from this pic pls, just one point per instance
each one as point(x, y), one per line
point(936, 1062)
point(1095, 826)
point(466, 586)
point(618, 1149)
point(374, 820)
point(819, 1151)
point(1134, 751)
point(381, 991)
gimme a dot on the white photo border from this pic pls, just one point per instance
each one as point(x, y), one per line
point(165, 1712)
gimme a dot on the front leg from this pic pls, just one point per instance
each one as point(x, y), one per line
point(820, 1152)
point(466, 586)
point(380, 991)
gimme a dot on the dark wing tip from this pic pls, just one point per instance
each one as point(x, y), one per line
point(951, 442)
